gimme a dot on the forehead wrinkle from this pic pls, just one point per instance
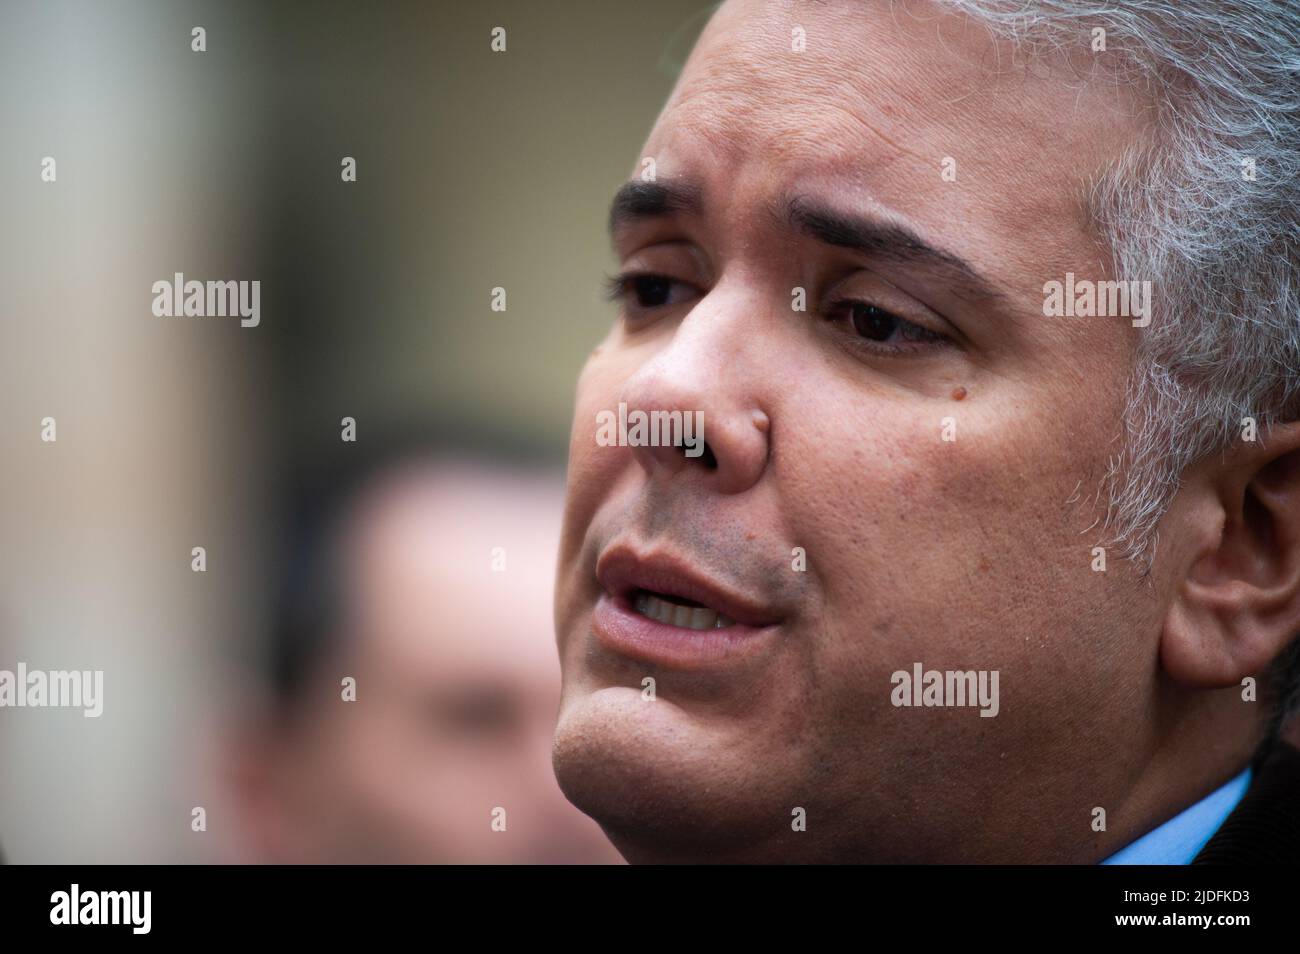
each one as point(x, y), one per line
point(836, 144)
point(788, 111)
point(746, 59)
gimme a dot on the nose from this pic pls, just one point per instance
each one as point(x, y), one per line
point(710, 374)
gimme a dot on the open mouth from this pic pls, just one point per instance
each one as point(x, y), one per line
point(659, 608)
point(677, 611)
point(666, 590)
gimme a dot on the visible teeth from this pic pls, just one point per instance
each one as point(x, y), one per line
point(675, 614)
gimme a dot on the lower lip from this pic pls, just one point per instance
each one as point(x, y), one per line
point(620, 628)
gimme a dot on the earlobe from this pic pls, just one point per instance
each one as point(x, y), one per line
point(1192, 648)
point(1194, 641)
point(1236, 604)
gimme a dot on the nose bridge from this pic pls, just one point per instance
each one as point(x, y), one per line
point(709, 376)
point(706, 348)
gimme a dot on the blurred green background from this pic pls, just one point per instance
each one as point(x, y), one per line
point(477, 169)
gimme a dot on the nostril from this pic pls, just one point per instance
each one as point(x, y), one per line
point(707, 458)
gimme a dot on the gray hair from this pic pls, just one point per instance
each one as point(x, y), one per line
point(1222, 250)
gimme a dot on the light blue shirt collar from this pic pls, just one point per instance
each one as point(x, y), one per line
point(1180, 839)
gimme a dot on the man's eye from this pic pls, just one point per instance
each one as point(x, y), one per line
point(645, 291)
point(874, 324)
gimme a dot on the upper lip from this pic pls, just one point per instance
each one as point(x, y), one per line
point(621, 571)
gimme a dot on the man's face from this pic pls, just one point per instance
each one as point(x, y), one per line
point(921, 433)
point(445, 756)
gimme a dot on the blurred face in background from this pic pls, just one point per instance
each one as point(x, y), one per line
point(821, 170)
point(457, 690)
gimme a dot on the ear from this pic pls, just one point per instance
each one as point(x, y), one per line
point(1236, 601)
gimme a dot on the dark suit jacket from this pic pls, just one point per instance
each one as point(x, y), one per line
point(1265, 826)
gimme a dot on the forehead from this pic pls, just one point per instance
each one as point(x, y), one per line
point(429, 592)
point(877, 100)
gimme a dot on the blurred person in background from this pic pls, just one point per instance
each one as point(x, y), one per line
point(428, 582)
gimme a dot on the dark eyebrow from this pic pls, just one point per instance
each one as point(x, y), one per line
point(875, 237)
point(644, 200)
point(887, 240)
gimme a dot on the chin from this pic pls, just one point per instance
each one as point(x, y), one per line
point(667, 785)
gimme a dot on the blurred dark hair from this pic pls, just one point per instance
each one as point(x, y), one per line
point(318, 496)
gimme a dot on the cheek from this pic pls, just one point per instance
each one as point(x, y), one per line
point(592, 470)
point(878, 487)
point(963, 553)
point(591, 467)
